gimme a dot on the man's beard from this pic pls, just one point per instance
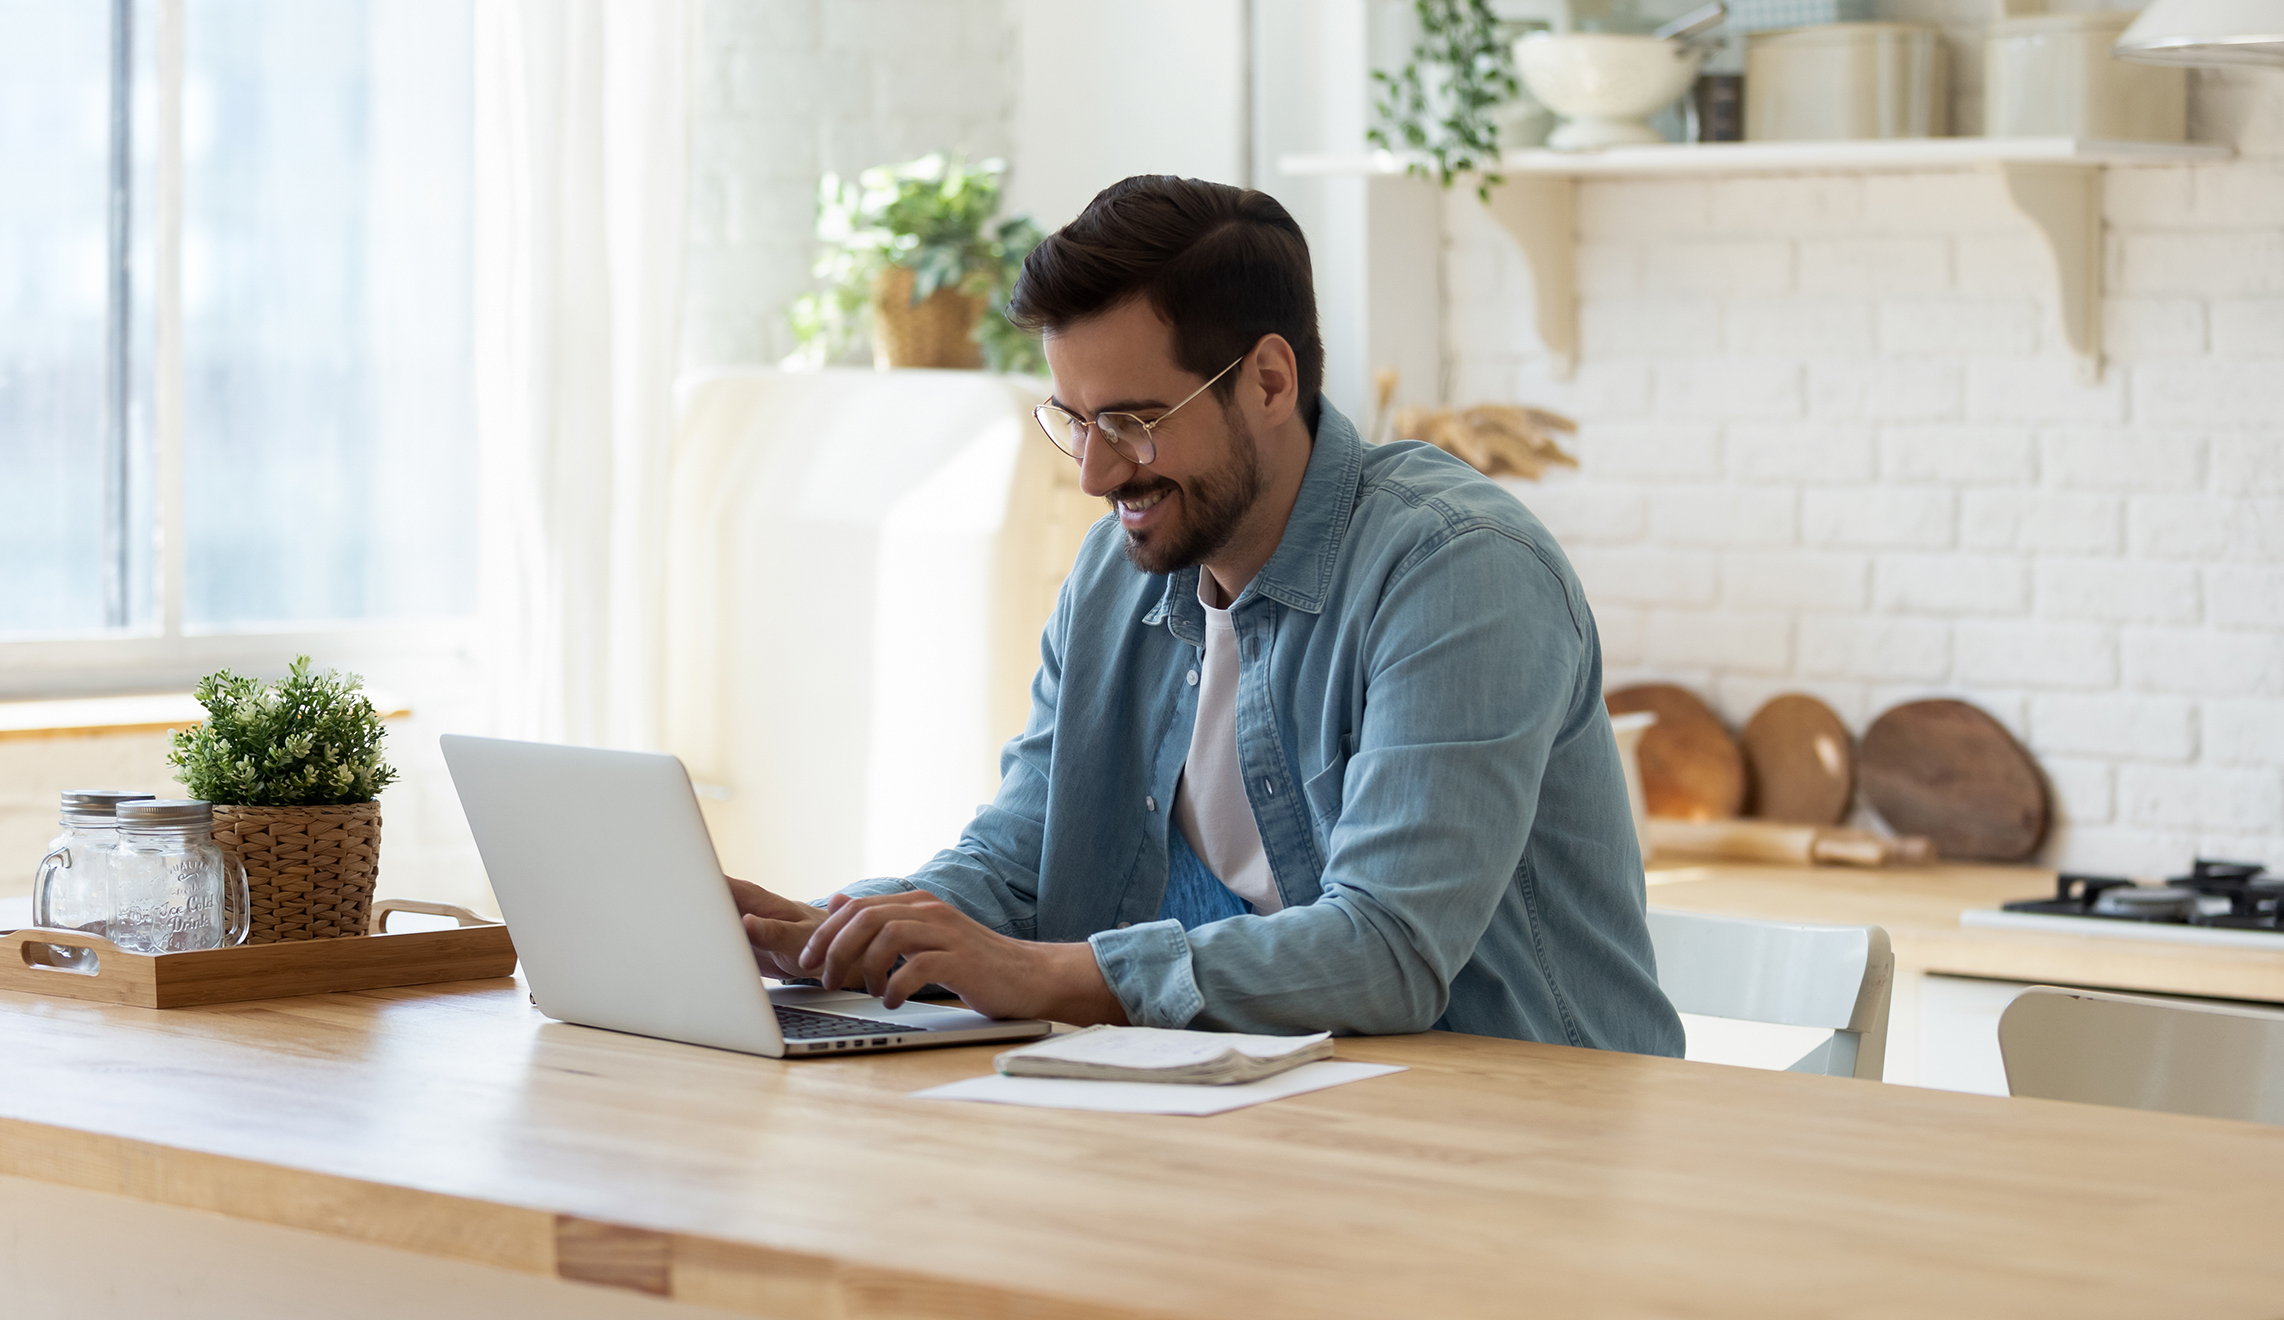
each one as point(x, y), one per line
point(1213, 505)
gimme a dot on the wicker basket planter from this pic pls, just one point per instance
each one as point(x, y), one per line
point(309, 870)
point(937, 333)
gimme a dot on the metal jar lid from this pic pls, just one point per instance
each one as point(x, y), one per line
point(167, 816)
point(94, 806)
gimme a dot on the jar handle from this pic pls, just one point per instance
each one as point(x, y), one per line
point(57, 860)
point(237, 900)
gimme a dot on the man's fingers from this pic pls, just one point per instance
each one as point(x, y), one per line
point(840, 911)
point(879, 956)
point(844, 959)
point(860, 939)
point(875, 937)
point(919, 969)
point(783, 938)
point(777, 941)
point(755, 901)
point(900, 937)
point(843, 910)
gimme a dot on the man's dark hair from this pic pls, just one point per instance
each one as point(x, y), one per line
point(1223, 265)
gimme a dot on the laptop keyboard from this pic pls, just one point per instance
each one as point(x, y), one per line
point(801, 1024)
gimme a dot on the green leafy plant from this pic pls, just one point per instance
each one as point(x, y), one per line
point(1439, 105)
point(935, 217)
point(307, 740)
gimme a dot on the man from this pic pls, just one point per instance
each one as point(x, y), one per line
point(1317, 739)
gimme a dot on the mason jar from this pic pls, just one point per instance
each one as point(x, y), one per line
point(72, 890)
point(173, 890)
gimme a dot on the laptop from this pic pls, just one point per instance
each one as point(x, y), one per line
point(608, 880)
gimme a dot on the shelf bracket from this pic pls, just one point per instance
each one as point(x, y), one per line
point(2064, 203)
point(1541, 212)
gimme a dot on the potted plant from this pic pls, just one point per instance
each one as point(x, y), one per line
point(1441, 107)
point(292, 768)
point(914, 260)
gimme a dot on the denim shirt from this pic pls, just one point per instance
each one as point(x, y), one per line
point(1420, 721)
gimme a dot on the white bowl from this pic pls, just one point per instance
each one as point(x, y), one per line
point(1605, 85)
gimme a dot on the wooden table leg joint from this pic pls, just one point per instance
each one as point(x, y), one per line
point(614, 1256)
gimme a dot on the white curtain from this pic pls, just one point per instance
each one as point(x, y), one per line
point(582, 161)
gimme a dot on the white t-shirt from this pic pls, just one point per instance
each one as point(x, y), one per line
point(1210, 804)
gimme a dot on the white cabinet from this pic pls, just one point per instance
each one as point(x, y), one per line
point(1955, 1046)
point(859, 565)
point(1943, 1031)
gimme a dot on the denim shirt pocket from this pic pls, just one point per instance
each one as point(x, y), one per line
point(1323, 789)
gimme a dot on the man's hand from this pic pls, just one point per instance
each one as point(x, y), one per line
point(996, 975)
point(778, 928)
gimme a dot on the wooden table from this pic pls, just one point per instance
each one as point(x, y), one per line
point(1495, 1178)
point(1920, 908)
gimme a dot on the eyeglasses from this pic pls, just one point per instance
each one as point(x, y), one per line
point(1130, 437)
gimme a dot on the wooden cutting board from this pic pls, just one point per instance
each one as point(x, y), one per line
point(1797, 845)
point(1691, 768)
point(1947, 770)
point(1801, 761)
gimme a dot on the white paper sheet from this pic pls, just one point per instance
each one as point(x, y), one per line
point(1153, 1097)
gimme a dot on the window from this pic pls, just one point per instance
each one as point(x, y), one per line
point(234, 315)
point(63, 423)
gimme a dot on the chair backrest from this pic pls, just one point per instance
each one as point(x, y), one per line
point(2183, 1058)
point(1834, 977)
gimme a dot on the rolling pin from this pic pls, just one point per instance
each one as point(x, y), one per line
point(1803, 845)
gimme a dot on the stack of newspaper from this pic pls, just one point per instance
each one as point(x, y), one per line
point(1153, 1054)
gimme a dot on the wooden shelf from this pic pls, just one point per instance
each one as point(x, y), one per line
point(2055, 183)
point(1885, 155)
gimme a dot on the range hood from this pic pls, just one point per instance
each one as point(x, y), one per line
point(2206, 32)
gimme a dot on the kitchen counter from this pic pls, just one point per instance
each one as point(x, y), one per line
point(456, 1125)
point(1920, 907)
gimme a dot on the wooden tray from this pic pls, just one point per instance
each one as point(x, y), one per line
point(477, 950)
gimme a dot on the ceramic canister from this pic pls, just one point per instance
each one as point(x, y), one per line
point(2052, 75)
point(1846, 80)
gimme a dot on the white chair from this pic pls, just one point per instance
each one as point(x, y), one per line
point(2217, 1060)
point(1830, 977)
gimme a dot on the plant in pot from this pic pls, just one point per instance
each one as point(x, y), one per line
point(292, 768)
point(915, 260)
point(1442, 108)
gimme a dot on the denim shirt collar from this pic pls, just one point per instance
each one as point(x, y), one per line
point(1299, 574)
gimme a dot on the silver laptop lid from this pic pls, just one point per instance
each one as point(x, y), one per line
point(607, 877)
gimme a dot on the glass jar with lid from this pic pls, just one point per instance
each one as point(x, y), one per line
point(173, 890)
point(72, 889)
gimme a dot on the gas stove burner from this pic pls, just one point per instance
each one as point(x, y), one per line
point(2146, 903)
point(2251, 895)
point(2074, 895)
point(2228, 895)
point(2204, 872)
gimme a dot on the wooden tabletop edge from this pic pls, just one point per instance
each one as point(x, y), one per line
point(748, 1277)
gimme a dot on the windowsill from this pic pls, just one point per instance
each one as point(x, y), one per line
point(150, 712)
point(77, 671)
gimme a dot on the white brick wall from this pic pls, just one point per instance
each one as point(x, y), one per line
point(1831, 442)
point(789, 89)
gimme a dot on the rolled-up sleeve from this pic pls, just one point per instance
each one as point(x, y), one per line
point(1148, 968)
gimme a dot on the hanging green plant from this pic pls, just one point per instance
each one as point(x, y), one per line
point(934, 217)
point(1439, 105)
